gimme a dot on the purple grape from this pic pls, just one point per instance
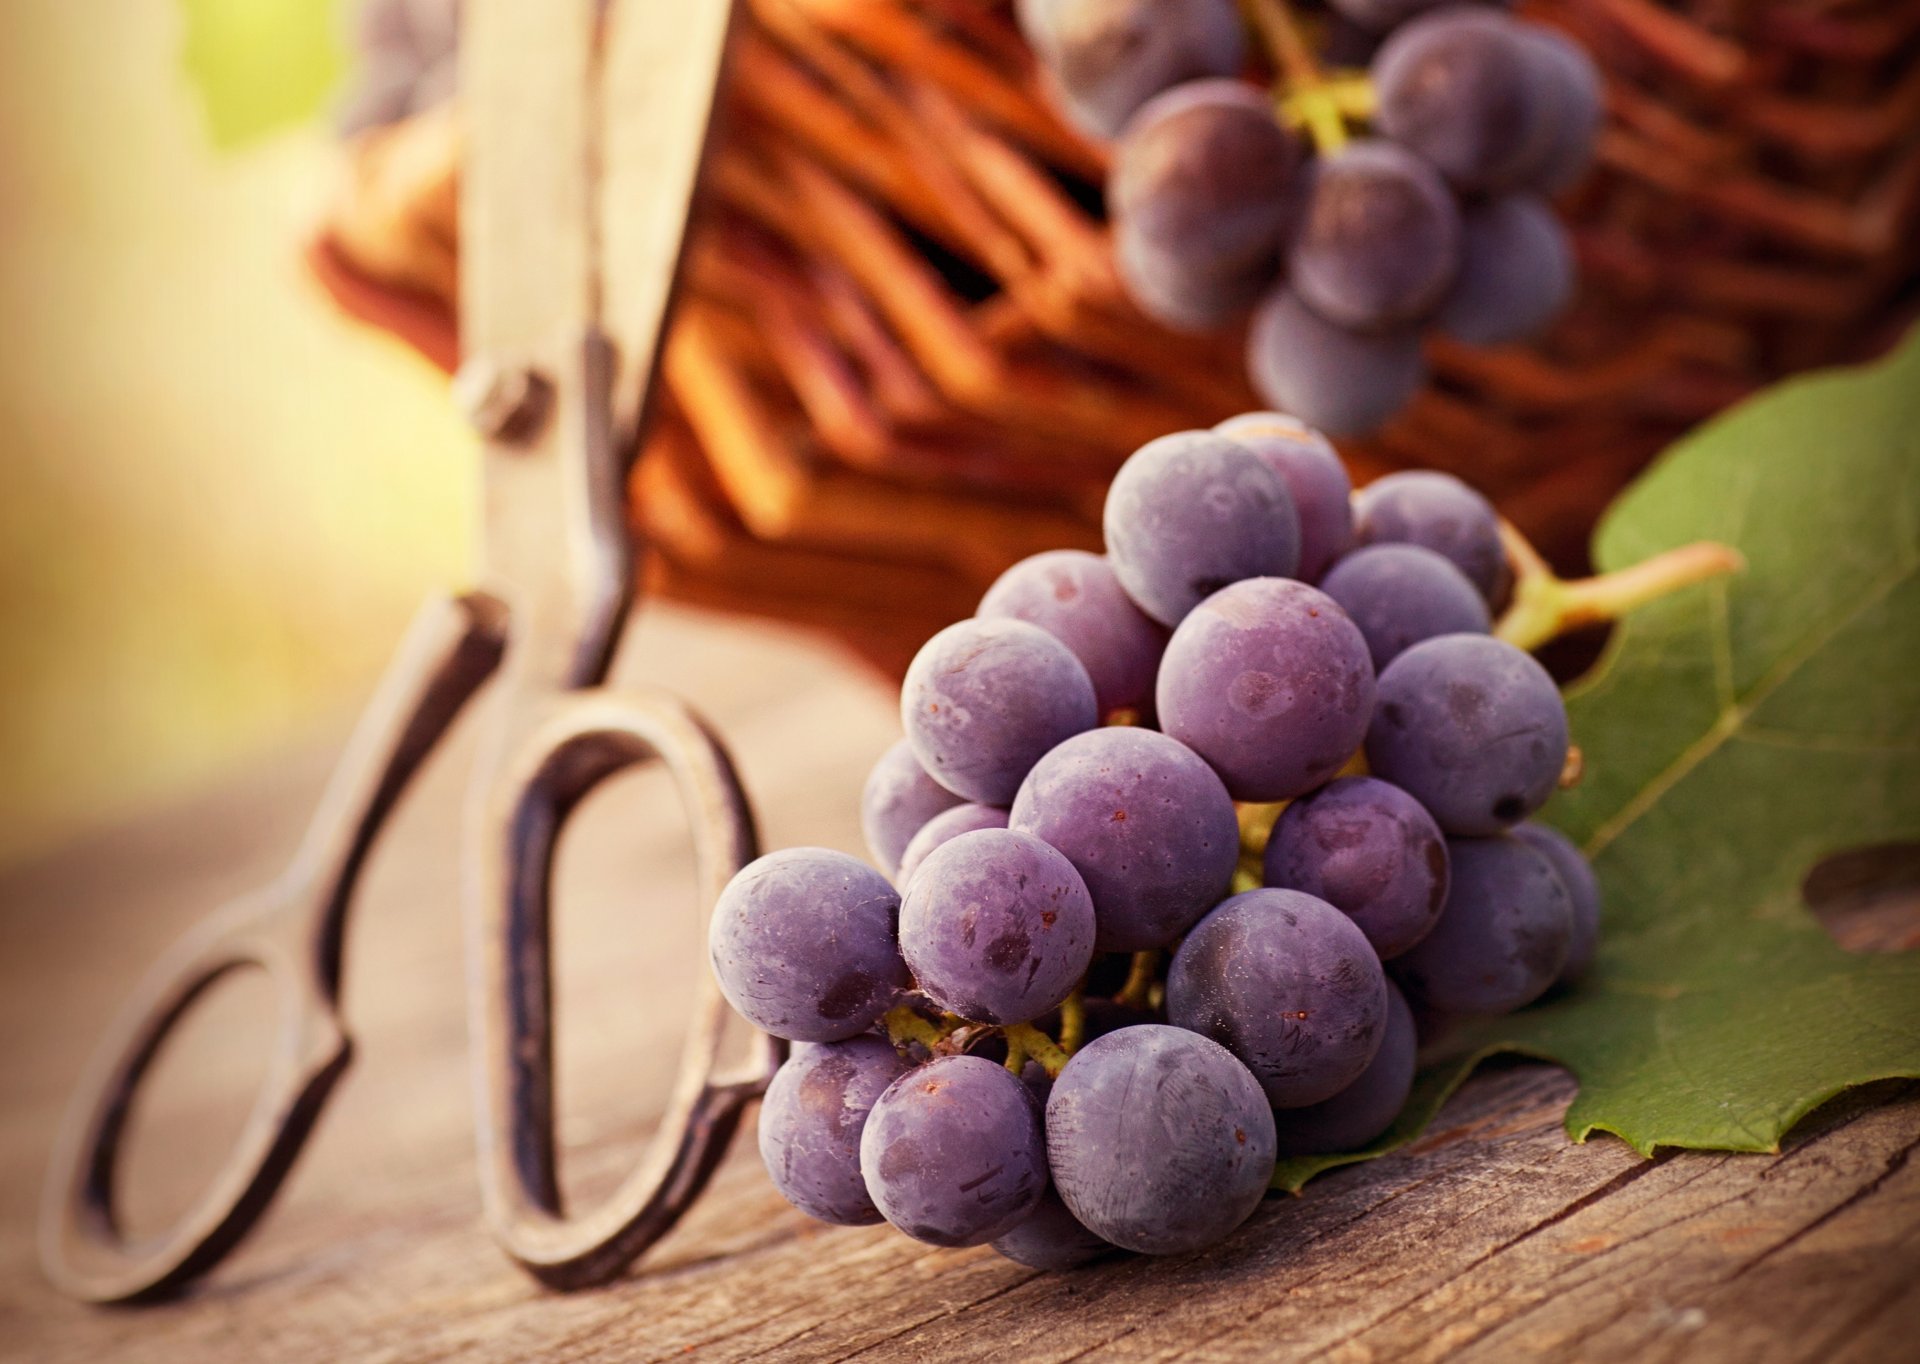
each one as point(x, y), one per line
point(1371, 851)
point(1164, 283)
point(1502, 939)
point(897, 801)
point(1472, 728)
point(1145, 822)
point(1422, 507)
point(1205, 190)
point(1367, 1107)
point(802, 942)
point(1579, 104)
point(1269, 681)
point(1468, 90)
point(1288, 984)
point(1583, 893)
point(1316, 479)
point(810, 1124)
point(1190, 513)
point(1343, 382)
point(997, 927)
point(1109, 57)
point(953, 1154)
point(1076, 597)
point(1401, 594)
point(984, 699)
point(1380, 242)
point(1053, 1239)
point(1159, 1140)
point(1516, 273)
point(943, 828)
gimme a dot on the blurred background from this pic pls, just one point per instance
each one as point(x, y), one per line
point(222, 499)
point(902, 358)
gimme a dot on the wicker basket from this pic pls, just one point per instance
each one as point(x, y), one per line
point(903, 359)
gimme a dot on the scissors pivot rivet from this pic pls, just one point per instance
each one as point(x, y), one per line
point(503, 402)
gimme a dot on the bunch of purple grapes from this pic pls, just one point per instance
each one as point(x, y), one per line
point(1438, 218)
point(1081, 1007)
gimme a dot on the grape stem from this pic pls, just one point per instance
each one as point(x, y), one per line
point(1033, 1044)
point(1546, 606)
point(1256, 824)
point(1139, 986)
point(1308, 99)
point(905, 1024)
point(1073, 1020)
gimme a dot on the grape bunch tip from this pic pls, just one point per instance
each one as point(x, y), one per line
point(1341, 214)
point(1184, 844)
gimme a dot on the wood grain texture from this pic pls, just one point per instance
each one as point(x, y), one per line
point(1493, 1238)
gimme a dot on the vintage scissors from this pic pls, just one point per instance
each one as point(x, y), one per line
point(564, 297)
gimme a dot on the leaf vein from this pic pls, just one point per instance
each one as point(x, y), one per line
point(1730, 719)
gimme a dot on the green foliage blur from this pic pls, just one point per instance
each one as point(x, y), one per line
point(261, 65)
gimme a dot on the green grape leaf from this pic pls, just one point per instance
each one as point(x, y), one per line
point(261, 65)
point(1735, 735)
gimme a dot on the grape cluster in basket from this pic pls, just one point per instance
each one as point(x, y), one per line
point(1437, 218)
point(1106, 979)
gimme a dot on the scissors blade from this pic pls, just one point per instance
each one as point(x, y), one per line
point(589, 124)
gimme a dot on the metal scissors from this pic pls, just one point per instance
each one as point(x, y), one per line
point(565, 294)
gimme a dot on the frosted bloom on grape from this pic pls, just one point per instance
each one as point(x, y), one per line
point(1159, 1140)
point(1467, 90)
point(1381, 239)
point(1192, 512)
point(1270, 682)
point(1502, 939)
point(1076, 597)
point(1146, 823)
point(1577, 108)
point(1473, 728)
point(802, 944)
point(1346, 383)
point(1516, 273)
point(1108, 57)
point(898, 799)
point(1310, 467)
point(1401, 594)
point(1367, 1107)
point(1439, 512)
point(1371, 851)
point(1288, 984)
point(1583, 893)
point(984, 699)
point(953, 1153)
point(811, 1120)
point(1205, 191)
point(997, 927)
point(943, 828)
point(1053, 1239)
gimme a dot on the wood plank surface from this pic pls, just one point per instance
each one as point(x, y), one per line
point(1493, 1238)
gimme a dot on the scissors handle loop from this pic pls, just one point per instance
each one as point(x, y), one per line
point(293, 931)
point(593, 735)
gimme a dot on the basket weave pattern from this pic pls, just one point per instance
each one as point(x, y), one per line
point(903, 358)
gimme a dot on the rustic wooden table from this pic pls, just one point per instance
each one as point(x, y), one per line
point(1493, 1238)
